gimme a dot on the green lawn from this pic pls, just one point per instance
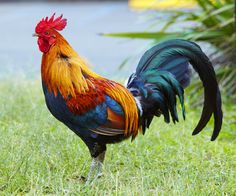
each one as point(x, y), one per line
point(39, 155)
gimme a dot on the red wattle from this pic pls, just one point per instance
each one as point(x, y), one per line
point(43, 45)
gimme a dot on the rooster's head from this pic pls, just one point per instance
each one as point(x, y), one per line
point(46, 29)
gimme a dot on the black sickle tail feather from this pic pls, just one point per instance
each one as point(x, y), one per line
point(161, 75)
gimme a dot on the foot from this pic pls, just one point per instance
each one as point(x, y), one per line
point(96, 167)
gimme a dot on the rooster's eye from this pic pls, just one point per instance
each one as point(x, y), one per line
point(46, 33)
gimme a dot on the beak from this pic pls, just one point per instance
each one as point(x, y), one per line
point(35, 35)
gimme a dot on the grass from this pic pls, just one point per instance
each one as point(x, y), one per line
point(41, 156)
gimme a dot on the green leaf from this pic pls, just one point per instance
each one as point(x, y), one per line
point(218, 14)
point(144, 35)
point(164, 36)
point(203, 36)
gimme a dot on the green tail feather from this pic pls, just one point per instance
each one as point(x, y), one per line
point(164, 71)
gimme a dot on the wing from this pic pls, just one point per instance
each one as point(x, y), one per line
point(103, 115)
point(114, 122)
point(107, 108)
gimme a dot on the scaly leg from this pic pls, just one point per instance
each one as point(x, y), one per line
point(96, 167)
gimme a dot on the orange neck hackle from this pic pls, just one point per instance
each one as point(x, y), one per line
point(64, 70)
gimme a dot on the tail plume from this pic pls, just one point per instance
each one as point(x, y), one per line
point(162, 74)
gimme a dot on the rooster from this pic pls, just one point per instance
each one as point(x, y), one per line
point(101, 111)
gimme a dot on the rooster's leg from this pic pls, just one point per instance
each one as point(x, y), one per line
point(96, 167)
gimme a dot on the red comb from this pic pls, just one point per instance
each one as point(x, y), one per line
point(46, 24)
